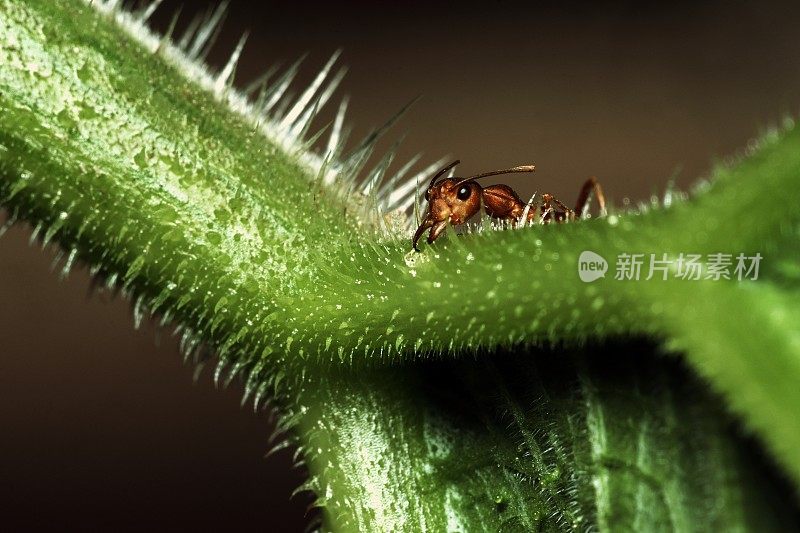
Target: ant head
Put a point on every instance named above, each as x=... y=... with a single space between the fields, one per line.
x=451 y=199
x=438 y=175
x=454 y=200
x=455 y=190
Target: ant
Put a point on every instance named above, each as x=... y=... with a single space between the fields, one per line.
x=455 y=200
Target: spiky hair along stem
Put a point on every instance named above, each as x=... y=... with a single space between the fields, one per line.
x=161 y=176
x=281 y=117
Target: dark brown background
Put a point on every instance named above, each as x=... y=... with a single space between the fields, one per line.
x=103 y=427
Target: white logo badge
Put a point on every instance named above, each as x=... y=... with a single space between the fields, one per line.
x=591 y=266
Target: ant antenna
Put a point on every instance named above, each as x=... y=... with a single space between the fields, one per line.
x=523 y=168
x=441 y=172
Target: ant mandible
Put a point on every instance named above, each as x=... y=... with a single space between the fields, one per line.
x=455 y=200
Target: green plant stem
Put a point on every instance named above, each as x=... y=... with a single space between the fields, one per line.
x=547 y=440
x=156 y=184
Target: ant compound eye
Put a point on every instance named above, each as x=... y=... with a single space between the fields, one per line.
x=464 y=193
x=428 y=195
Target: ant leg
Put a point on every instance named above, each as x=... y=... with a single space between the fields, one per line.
x=565 y=213
x=427 y=223
x=437 y=230
x=589 y=186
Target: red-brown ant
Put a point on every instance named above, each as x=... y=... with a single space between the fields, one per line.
x=455 y=200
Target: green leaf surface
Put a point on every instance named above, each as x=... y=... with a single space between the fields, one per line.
x=164 y=181
x=546 y=440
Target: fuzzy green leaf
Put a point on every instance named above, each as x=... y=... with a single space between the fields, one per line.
x=548 y=440
x=211 y=214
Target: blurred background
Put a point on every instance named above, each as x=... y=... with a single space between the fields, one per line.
x=103 y=426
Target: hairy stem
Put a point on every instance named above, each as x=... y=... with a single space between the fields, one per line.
x=213 y=213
